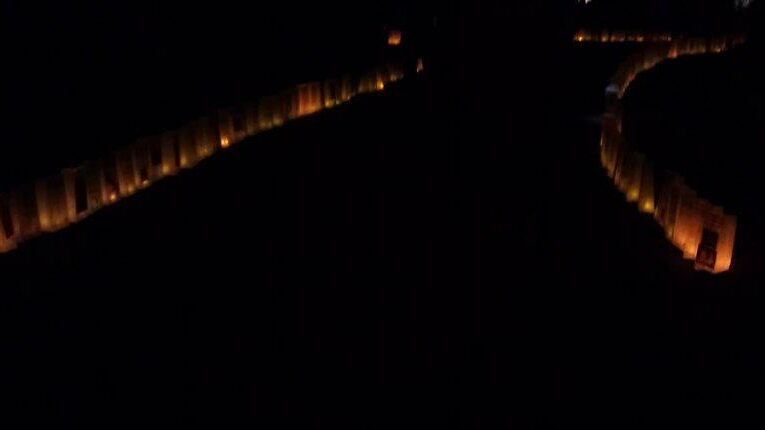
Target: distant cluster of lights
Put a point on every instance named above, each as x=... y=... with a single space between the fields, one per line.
x=394 y=38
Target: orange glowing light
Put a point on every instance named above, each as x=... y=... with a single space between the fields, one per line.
x=394 y=38
x=224 y=142
x=380 y=85
x=113 y=197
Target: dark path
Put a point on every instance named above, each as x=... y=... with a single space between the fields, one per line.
x=447 y=254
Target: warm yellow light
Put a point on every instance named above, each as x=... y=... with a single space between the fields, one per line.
x=224 y=142
x=113 y=197
x=420 y=66
x=380 y=85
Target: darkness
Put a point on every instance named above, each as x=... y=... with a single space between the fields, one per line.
x=447 y=253
x=685 y=16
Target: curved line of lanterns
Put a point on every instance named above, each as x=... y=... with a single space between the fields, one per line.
x=700 y=229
